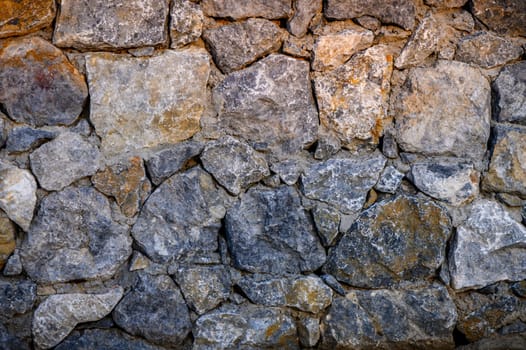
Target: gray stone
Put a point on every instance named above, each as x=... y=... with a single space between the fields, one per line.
x=7 y=238
x=327 y=220
x=399 y=12
x=239 y=9
x=389 y=180
x=502 y=16
x=270 y=105
x=107 y=339
x=304 y=11
x=309 y=331
x=488 y=247
x=487 y=50
x=245 y=327
x=288 y=170
x=18 y=195
x=421 y=318
x=38 y=85
x=234 y=164
x=333 y=283
x=505 y=342
x=186 y=23
x=3 y=131
x=181 y=217
x=445 y=3
x=17 y=296
x=266 y=290
x=298 y=47
x=58 y=315
x=21 y=17
x=510 y=91
x=343 y=183
x=99 y=24
x=154 y=310
x=74 y=236
x=432 y=100
x=403 y=238
x=25 y=138
x=10 y=341
x=13 y=266
x=64 y=160
x=132 y=111
x=268 y=231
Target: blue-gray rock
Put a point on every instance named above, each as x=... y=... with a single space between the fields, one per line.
x=269 y=231
x=333 y=283
x=309 y=331
x=327 y=220
x=107 y=339
x=186 y=23
x=73 y=236
x=13 y=266
x=17 y=296
x=266 y=290
x=25 y=138
x=389 y=180
x=502 y=16
x=10 y=341
x=503 y=342
x=510 y=93
x=17 y=195
x=3 y=135
x=289 y=170
x=270 y=9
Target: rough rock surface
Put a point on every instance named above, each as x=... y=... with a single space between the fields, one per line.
x=96 y=24
x=22 y=17
x=186 y=23
x=446 y=3
x=58 y=315
x=38 y=85
x=268 y=231
x=487 y=50
x=7 y=239
x=18 y=195
x=327 y=220
x=309 y=331
x=73 y=236
x=239 y=9
x=502 y=16
x=67 y=158
x=488 y=247
x=107 y=339
x=25 y=138
x=389 y=180
x=510 y=90
x=132 y=112
x=304 y=11
x=17 y=296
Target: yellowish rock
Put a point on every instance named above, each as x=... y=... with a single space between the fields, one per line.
x=7 y=238
x=19 y=17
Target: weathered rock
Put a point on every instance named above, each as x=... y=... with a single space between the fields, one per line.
x=289 y=170
x=266 y=290
x=343 y=183
x=454 y=182
x=17 y=296
x=268 y=231
x=186 y=23
x=107 y=339
x=270 y=105
x=7 y=238
x=10 y=341
x=58 y=315
x=298 y=47
x=18 y=195
x=238 y=44
x=327 y=220
x=507 y=169
x=510 y=91
x=127 y=182
x=445 y=3
x=504 y=342
x=270 y=9
x=488 y=247
x=432 y=100
x=389 y=180
x=309 y=331
x=356 y=109
x=74 y=236
x=64 y=160
x=98 y=24
x=487 y=50
x=403 y=238
x=304 y=11
x=22 y=17
x=131 y=111
x=502 y=16
x=21 y=139
x=333 y=283
x=399 y=12
x=234 y=164
x=38 y=85
x=245 y=327
x=154 y=310
x=204 y=287
x=391 y=319
x=13 y=266
x=181 y=217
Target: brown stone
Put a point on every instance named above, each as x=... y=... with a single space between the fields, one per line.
x=19 y=17
x=7 y=238
x=502 y=16
x=487 y=50
x=446 y=3
x=240 y=9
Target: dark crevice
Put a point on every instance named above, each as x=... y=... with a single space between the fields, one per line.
x=459 y=338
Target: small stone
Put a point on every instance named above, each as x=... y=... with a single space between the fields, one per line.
x=502 y=16
x=17 y=296
x=445 y=3
x=38 y=85
x=265 y=290
x=270 y=9
x=510 y=91
x=298 y=47
x=107 y=339
x=66 y=159
x=328 y=145
x=58 y=315
x=487 y=50
x=139 y=262
x=369 y=22
x=23 y=17
x=309 y=331
x=21 y=139
x=13 y=266
x=389 y=180
x=234 y=164
x=327 y=220
x=304 y=11
x=236 y=45
x=18 y=195
x=519 y=288
x=186 y=24
x=142 y=52
x=488 y=247
x=96 y=24
x=288 y=170
x=333 y=283
x=309 y=294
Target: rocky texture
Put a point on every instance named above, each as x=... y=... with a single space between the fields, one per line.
x=289 y=170
x=18 y=195
x=502 y=16
x=309 y=332
x=7 y=239
x=271 y=9
x=425 y=113
x=13 y=266
x=17 y=296
x=238 y=44
x=92 y=24
x=58 y=315
x=488 y=247
x=25 y=138
x=389 y=180
x=446 y=3
x=186 y=23
x=131 y=112
x=107 y=339
x=154 y=301
x=327 y=220
x=391 y=319
x=268 y=231
x=38 y=85
x=64 y=160
x=22 y=17
x=505 y=342
x=487 y=50
x=9 y=341
x=74 y=236
x=304 y=11
x=510 y=91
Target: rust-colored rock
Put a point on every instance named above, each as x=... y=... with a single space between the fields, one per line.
x=7 y=238
x=19 y=17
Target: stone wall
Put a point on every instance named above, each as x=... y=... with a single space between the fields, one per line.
x=263 y=174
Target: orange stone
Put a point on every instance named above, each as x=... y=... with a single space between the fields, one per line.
x=19 y=17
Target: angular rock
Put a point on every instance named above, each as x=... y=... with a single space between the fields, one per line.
x=58 y=315
x=389 y=180
x=487 y=50
x=391 y=319
x=343 y=183
x=399 y=12
x=488 y=247
x=132 y=111
x=17 y=296
x=25 y=138
x=502 y=16
x=186 y=23
x=13 y=266
x=432 y=100
x=298 y=47
x=18 y=195
x=234 y=164
x=107 y=339
x=236 y=9
x=309 y=331
x=266 y=290
x=327 y=220
x=154 y=310
x=269 y=104
x=288 y=170
x=510 y=91
x=73 y=237
x=268 y=231
x=64 y=160
x=127 y=182
x=98 y=24
x=356 y=109
x=38 y=85
x=7 y=239
x=236 y=45
x=304 y=11
x=181 y=217
x=22 y=17
x=446 y=3
x=333 y=283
